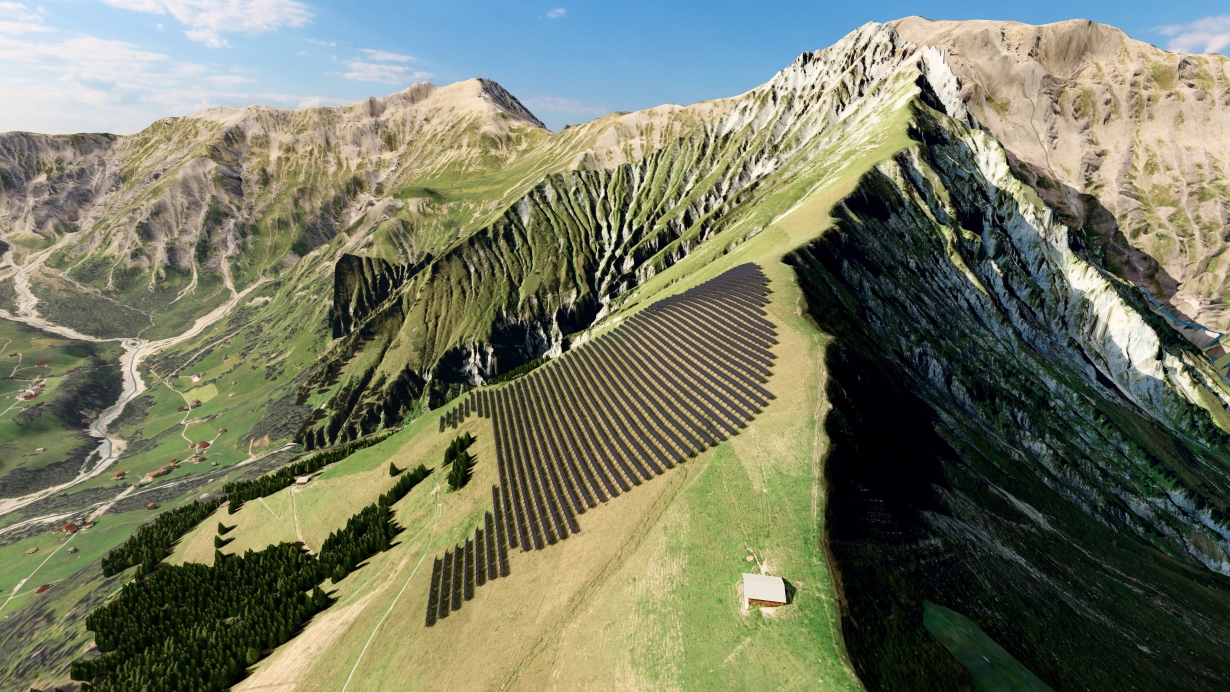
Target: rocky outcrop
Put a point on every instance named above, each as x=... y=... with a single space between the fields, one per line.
x=1014 y=436
x=1125 y=140
x=49 y=184
x=558 y=257
x=507 y=103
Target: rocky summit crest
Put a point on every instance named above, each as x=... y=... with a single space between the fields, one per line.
x=925 y=333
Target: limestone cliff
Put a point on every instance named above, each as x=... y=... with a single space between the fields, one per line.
x=1126 y=140
x=1014 y=435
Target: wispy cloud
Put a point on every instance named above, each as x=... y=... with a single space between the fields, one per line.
x=207 y=20
x=318 y=101
x=1207 y=35
x=557 y=13
x=555 y=104
x=229 y=79
x=386 y=56
x=16 y=18
x=361 y=71
x=327 y=44
x=49 y=77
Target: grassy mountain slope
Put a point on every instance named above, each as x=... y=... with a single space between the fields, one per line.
x=970 y=411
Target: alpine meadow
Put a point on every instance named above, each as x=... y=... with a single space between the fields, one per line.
x=904 y=370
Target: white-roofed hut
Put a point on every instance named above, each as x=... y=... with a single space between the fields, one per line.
x=763 y=591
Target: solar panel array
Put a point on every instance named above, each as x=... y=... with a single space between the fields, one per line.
x=669 y=382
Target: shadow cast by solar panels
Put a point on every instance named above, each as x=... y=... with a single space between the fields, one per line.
x=671 y=381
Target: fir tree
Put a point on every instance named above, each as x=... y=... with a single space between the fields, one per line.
x=459 y=474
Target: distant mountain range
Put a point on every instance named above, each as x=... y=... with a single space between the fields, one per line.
x=989 y=459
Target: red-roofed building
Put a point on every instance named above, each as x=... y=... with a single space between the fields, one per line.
x=70 y=528
x=42 y=588
x=203 y=444
x=41 y=364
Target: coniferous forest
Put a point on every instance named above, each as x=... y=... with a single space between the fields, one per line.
x=150 y=543
x=197 y=627
x=460 y=459
x=240 y=492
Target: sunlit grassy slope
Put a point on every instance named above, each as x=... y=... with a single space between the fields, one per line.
x=645 y=597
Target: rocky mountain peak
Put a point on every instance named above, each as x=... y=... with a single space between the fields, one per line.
x=1121 y=137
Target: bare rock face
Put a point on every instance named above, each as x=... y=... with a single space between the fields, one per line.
x=1126 y=140
x=243 y=193
x=49 y=184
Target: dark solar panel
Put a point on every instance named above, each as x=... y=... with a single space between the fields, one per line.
x=666 y=384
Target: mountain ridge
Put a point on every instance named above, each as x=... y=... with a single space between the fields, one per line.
x=980 y=409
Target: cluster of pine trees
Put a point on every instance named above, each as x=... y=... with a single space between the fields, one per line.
x=518 y=371
x=462 y=461
x=365 y=534
x=191 y=627
x=150 y=543
x=240 y=492
x=197 y=627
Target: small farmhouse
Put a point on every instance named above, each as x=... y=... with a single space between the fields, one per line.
x=763 y=591
x=42 y=588
x=70 y=528
x=302 y=480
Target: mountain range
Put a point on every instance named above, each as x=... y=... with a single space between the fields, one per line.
x=928 y=325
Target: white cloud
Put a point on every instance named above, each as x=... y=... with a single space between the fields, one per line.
x=1208 y=35
x=385 y=56
x=318 y=101
x=327 y=44
x=388 y=74
x=555 y=104
x=207 y=20
x=228 y=79
x=45 y=84
x=557 y=12
x=16 y=18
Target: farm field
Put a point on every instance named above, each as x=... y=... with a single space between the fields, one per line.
x=74 y=382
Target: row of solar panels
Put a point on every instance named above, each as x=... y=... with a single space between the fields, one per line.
x=679 y=377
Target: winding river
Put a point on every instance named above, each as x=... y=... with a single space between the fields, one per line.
x=136 y=350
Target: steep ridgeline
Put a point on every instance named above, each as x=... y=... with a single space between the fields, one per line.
x=675 y=379
x=1014 y=436
x=230 y=196
x=1125 y=140
x=561 y=255
x=49 y=184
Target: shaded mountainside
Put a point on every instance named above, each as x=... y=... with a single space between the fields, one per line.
x=48 y=184
x=978 y=410
x=1124 y=139
x=1014 y=437
x=563 y=254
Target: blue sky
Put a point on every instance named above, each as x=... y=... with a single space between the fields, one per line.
x=118 y=65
